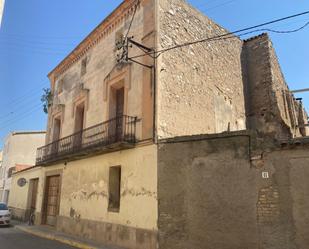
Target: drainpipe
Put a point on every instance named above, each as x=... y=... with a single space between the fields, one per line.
x=155 y=73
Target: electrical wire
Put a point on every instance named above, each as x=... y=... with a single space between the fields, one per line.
x=33 y=42
x=21 y=117
x=284 y=31
x=229 y=34
x=20 y=103
x=20 y=52
x=219 y=5
x=41 y=37
x=265 y=30
x=35 y=45
x=254 y=31
x=30 y=92
x=19 y=107
x=204 y=4
x=133 y=16
x=32 y=49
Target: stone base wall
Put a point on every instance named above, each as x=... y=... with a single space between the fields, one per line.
x=20 y=214
x=215 y=195
x=38 y=218
x=107 y=233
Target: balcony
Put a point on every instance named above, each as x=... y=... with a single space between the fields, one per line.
x=114 y=134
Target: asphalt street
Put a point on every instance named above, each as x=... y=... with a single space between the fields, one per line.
x=12 y=238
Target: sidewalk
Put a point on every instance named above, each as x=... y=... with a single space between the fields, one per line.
x=47 y=232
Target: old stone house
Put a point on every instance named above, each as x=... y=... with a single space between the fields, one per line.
x=108 y=171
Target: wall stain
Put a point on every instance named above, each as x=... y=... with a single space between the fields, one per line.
x=135 y=192
x=74 y=214
x=97 y=194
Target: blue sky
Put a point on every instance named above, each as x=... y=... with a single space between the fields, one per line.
x=37 y=34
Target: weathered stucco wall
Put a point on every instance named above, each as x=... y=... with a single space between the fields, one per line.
x=211 y=197
x=19 y=196
x=271 y=108
x=71 y=88
x=19 y=148
x=200 y=87
x=84 y=198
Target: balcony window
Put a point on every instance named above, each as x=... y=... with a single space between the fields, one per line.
x=79 y=124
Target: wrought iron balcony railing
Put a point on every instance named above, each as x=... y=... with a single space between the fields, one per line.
x=119 y=131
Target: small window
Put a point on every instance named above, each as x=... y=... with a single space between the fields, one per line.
x=114 y=189
x=84 y=67
x=11 y=171
x=60 y=86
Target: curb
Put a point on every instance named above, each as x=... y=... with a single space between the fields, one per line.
x=56 y=238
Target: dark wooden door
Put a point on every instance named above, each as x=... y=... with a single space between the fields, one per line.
x=56 y=129
x=56 y=136
x=52 y=199
x=119 y=113
x=79 y=126
x=35 y=184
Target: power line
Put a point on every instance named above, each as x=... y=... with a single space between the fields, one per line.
x=26 y=48
x=123 y=44
x=133 y=16
x=12 y=47
x=283 y=31
x=33 y=41
x=219 y=5
x=205 y=4
x=26 y=52
x=230 y=34
x=19 y=108
x=289 y=23
x=264 y=30
x=21 y=98
x=21 y=117
x=242 y=30
x=35 y=44
x=20 y=104
x=42 y=37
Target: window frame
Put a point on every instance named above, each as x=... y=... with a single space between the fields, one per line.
x=111 y=203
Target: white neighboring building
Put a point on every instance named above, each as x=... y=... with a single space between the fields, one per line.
x=19 y=152
x=1 y=10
